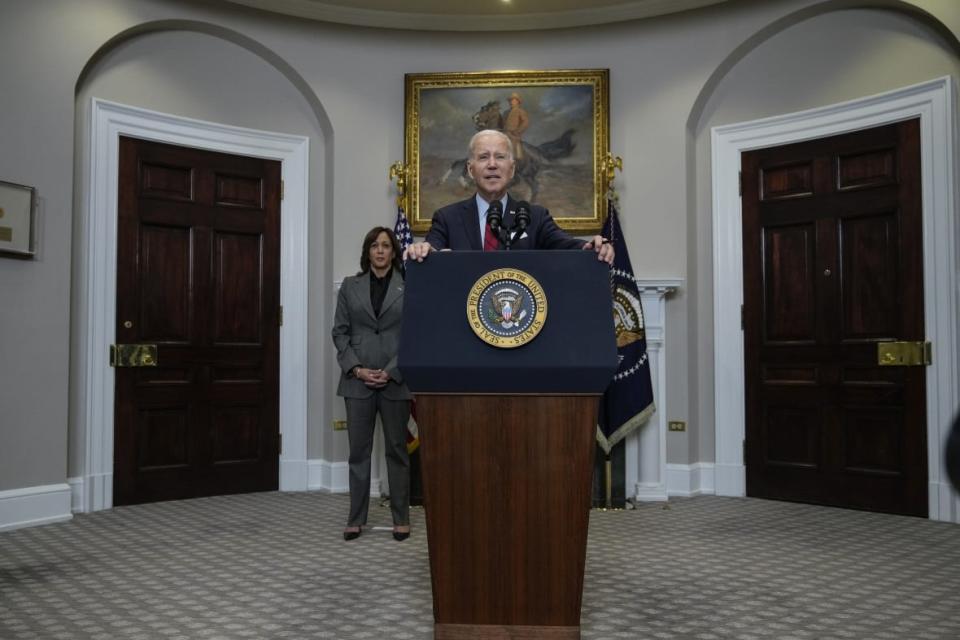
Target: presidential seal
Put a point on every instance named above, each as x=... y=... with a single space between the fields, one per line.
x=627 y=316
x=506 y=308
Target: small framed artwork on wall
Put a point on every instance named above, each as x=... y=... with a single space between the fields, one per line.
x=17 y=206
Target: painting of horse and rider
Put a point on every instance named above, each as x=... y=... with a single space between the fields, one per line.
x=556 y=120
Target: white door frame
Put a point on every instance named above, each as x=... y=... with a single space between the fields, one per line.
x=933 y=103
x=98 y=289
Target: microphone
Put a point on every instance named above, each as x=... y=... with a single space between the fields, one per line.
x=495 y=216
x=523 y=215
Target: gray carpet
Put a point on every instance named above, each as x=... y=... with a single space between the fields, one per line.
x=275 y=566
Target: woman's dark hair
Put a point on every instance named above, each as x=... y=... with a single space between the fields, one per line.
x=368 y=241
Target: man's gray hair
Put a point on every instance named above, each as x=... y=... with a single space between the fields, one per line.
x=490 y=132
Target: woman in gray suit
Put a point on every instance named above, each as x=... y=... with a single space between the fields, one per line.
x=366 y=332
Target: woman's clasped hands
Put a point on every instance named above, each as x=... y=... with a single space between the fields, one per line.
x=373 y=378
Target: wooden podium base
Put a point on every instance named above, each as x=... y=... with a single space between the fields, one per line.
x=502 y=632
x=507 y=491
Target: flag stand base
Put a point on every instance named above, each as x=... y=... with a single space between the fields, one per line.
x=609 y=478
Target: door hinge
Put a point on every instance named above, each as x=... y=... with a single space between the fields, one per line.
x=281 y=189
x=279 y=444
x=744 y=451
x=742 y=321
x=740 y=182
x=281 y=315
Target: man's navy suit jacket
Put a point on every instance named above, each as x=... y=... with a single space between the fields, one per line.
x=457 y=226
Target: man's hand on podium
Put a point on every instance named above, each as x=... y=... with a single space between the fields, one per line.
x=603 y=248
x=417 y=251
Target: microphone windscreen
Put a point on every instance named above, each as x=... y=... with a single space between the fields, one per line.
x=523 y=214
x=495 y=214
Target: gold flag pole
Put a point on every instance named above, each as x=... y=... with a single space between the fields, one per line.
x=399 y=172
x=608 y=467
x=611 y=165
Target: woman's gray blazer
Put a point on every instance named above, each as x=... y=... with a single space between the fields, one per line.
x=369 y=341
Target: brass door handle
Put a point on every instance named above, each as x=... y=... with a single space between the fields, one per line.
x=133 y=355
x=904 y=354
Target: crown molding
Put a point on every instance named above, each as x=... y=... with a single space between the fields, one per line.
x=441 y=15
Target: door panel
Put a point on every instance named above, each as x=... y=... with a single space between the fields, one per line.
x=163 y=299
x=789 y=284
x=236 y=434
x=163 y=438
x=237 y=287
x=788 y=181
x=872 y=441
x=832 y=266
x=793 y=433
x=198 y=275
x=868 y=276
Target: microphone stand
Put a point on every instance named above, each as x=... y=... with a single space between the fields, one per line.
x=507 y=242
x=496 y=222
x=506 y=238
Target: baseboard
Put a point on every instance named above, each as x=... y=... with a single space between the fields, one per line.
x=651 y=493
x=32 y=506
x=730 y=480
x=944 y=502
x=77 y=504
x=334 y=477
x=294 y=475
x=682 y=480
x=685 y=480
x=323 y=475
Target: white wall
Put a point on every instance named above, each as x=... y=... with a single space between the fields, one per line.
x=343 y=87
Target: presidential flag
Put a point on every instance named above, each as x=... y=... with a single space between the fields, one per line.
x=405 y=237
x=628 y=401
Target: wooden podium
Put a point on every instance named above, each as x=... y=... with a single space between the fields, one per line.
x=507 y=441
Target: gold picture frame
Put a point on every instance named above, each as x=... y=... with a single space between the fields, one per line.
x=561 y=143
x=17 y=206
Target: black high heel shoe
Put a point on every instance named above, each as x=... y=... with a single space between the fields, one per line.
x=400 y=535
x=351 y=535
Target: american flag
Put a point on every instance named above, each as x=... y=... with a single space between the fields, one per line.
x=402 y=230
x=405 y=237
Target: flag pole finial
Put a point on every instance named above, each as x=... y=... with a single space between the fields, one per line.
x=399 y=172
x=611 y=165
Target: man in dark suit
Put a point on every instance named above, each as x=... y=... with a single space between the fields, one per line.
x=463 y=225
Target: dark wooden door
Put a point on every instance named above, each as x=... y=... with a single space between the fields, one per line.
x=198 y=275
x=832 y=258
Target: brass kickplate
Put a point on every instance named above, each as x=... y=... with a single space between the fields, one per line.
x=676 y=425
x=904 y=354
x=339 y=425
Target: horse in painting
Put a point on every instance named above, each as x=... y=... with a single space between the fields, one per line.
x=535 y=156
